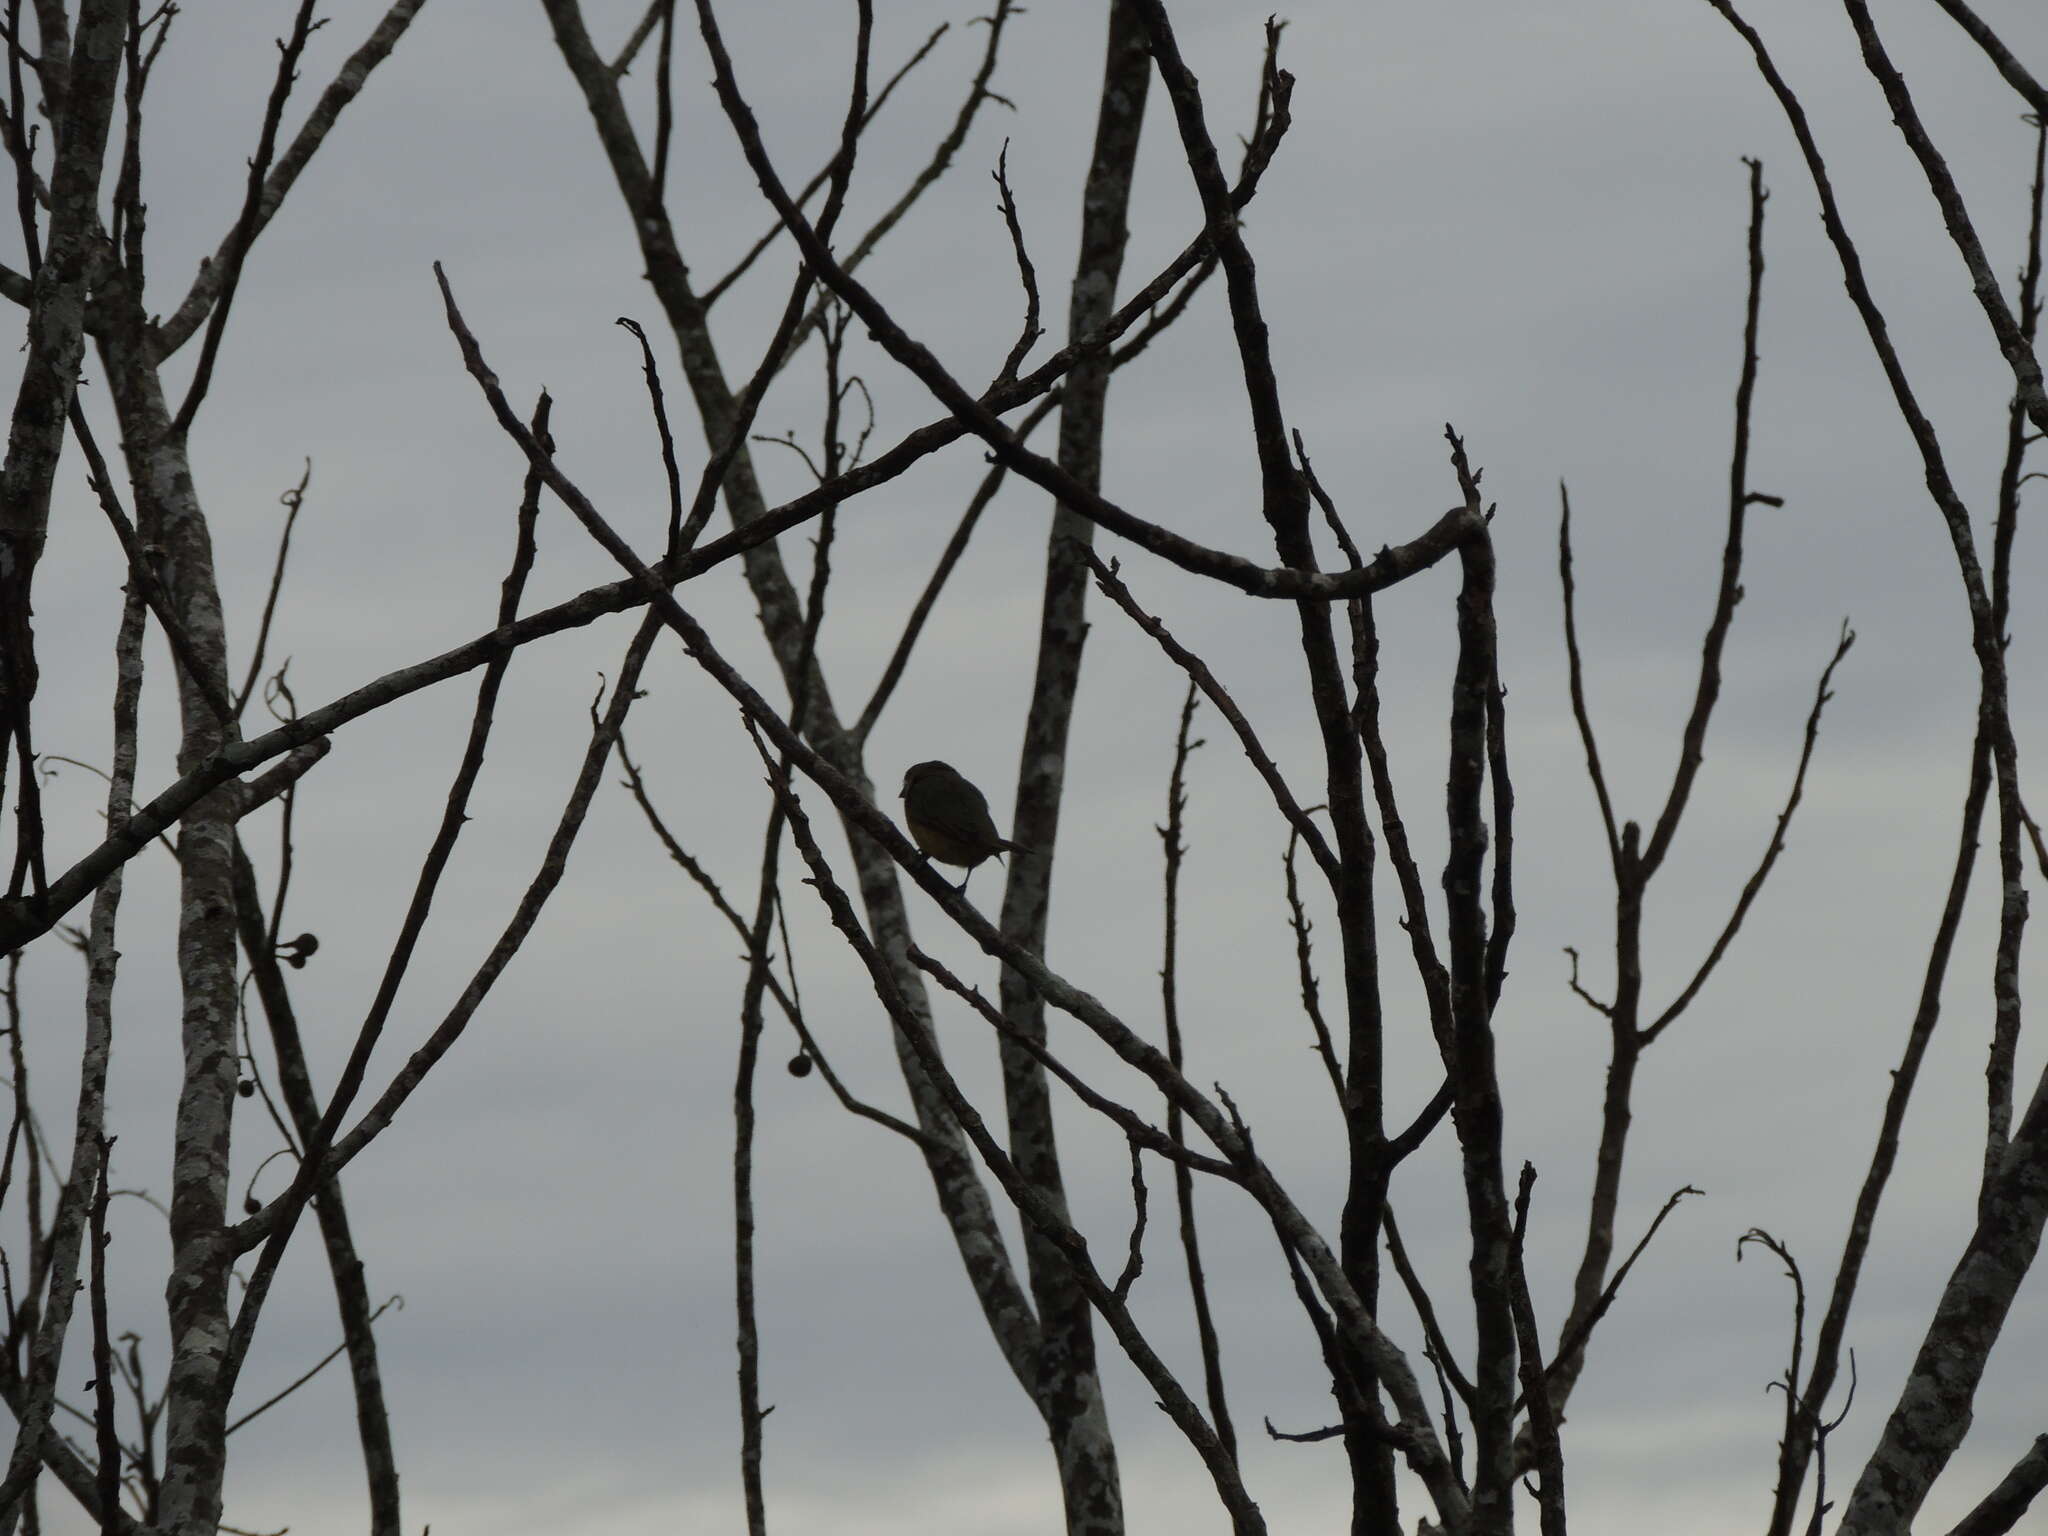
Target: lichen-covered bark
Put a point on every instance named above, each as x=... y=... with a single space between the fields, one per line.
x=1069 y=1388
x=172 y=524
x=1933 y=1411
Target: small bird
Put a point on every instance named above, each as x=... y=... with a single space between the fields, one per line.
x=949 y=819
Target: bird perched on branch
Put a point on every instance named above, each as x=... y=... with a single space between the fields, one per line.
x=948 y=818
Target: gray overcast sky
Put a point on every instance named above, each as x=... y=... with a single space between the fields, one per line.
x=1527 y=221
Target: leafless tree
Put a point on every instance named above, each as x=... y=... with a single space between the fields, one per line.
x=1513 y=1400
x=159 y=1461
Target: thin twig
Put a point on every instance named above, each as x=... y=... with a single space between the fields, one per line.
x=346 y=85
x=1175 y=850
x=314 y=1370
x=1576 y=669
x=942 y=154
x=658 y=403
x=1135 y=1127
x=292 y=501
x=312 y=1170
x=1775 y=847
x=1107 y=578
x=657 y=12
x=1027 y=275
x=246 y=223
x=1692 y=749
x=664 y=97
x=1573 y=1339
x=956 y=546
x=785 y=998
x=1441 y=1357
x=1134 y=1262
x=273 y=1221
x=810 y=187
x=1299 y=923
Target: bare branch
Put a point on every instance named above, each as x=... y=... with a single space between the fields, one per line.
x=1137 y=1130
x=803 y=197
x=347 y=84
x=314 y=1169
x=236 y=251
x=658 y=12
x=1027 y=275
x=311 y=1371
x=1692 y=750
x=1175 y=851
x=943 y=152
x=2004 y=1506
x=2018 y=351
x=1578 y=676
x=1304 y=965
x=2001 y=56
x=956 y=546
x=1441 y=1357
x=1198 y=672
x=1134 y=1265
x=1392 y=565
x=1573 y=1340
x=1776 y=846
x=1535 y=1391
x=293 y=501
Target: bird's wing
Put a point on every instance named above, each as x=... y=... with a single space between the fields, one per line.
x=966 y=815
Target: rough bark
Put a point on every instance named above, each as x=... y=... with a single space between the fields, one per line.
x=1069 y=1389
x=170 y=519
x=1934 y=1409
